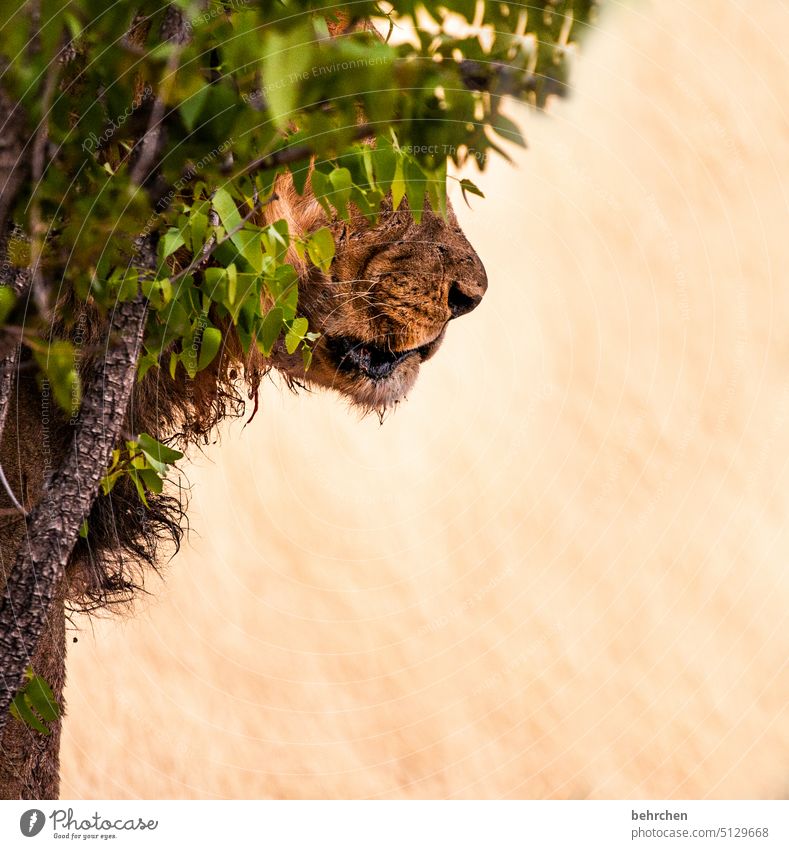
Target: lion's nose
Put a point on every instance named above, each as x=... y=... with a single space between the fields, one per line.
x=467 y=289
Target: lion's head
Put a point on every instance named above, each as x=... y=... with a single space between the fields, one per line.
x=384 y=307
x=382 y=310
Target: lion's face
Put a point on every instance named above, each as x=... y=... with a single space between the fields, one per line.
x=384 y=307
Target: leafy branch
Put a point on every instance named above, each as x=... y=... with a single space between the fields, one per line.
x=145 y=461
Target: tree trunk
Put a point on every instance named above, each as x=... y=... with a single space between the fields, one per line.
x=32 y=603
x=29 y=760
x=36 y=547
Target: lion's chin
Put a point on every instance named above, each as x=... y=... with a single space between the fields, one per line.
x=372 y=377
x=377 y=395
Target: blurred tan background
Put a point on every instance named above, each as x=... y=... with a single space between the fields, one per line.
x=560 y=569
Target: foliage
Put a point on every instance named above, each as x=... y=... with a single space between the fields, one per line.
x=168 y=125
x=257 y=90
x=35 y=704
x=145 y=461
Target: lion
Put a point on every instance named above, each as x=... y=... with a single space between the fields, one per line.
x=382 y=310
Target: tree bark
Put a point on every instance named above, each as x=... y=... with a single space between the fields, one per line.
x=13 y=166
x=53 y=525
x=35 y=549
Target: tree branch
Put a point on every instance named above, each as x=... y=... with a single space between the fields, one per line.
x=175 y=31
x=37 y=229
x=289 y=155
x=8 y=368
x=54 y=524
x=13 y=167
x=209 y=249
x=12 y=175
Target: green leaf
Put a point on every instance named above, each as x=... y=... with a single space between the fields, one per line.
x=35 y=704
x=398 y=185
x=321 y=188
x=232 y=282
x=215 y=286
x=299 y=174
x=198 y=224
x=247 y=243
x=295 y=334
x=437 y=190
x=7 y=301
x=153 y=482
x=247 y=240
x=249 y=286
x=21 y=711
x=276 y=240
x=147 y=361
x=126 y=283
x=467 y=187
x=226 y=209
x=415 y=187
x=171 y=241
x=162 y=453
x=83 y=529
x=159 y=292
x=58 y=362
x=508 y=129
x=320 y=247
x=284 y=288
x=138 y=484
x=286 y=57
x=42 y=699
x=385 y=164
x=191 y=107
x=209 y=346
x=270 y=329
x=108 y=482
x=341 y=184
